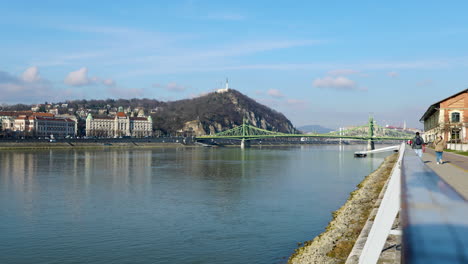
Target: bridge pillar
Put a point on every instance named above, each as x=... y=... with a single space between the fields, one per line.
x=245 y=144
x=370 y=144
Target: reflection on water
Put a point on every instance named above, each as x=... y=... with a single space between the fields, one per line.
x=171 y=205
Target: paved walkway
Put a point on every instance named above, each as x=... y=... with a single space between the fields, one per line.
x=454 y=170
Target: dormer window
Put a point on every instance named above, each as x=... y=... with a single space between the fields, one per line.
x=455 y=118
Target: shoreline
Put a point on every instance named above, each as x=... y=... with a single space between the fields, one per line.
x=87 y=145
x=336 y=242
x=5 y=145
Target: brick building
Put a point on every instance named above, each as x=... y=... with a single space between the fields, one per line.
x=449 y=118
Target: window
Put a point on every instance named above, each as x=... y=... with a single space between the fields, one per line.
x=455 y=117
x=455 y=135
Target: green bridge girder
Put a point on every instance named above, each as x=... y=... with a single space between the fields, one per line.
x=247 y=132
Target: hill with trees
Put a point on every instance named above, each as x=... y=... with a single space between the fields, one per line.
x=207 y=114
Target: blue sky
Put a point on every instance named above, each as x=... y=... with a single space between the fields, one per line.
x=319 y=62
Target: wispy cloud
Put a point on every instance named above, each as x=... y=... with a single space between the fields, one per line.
x=171 y=87
x=210 y=59
x=80 y=78
x=29 y=87
x=275 y=93
x=287 y=104
x=31 y=74
x=225 y=16
x=343 y=72
x=108 y=82
x=337 y=83
x=393 y=74
x=400 y=65
x=297 y=104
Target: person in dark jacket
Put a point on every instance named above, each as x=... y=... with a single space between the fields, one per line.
x=417 y=144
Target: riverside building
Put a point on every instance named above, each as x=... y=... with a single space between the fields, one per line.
x=449 y=118
x=37 y=124
x=46 y=126
x=119 y=125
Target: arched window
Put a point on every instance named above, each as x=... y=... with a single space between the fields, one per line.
x=455 y=117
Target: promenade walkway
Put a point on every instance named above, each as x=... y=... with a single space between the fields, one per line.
x=454 y=170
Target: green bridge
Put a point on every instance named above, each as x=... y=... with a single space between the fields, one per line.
x=369 y=132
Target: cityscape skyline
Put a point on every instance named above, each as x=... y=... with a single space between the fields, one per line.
x=330 y=64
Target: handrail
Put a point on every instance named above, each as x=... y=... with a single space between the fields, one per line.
x=385 y=217
x=434 y=216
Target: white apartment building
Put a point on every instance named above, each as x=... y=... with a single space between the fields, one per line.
x=119 y=125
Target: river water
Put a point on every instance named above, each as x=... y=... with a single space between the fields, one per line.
x=171 y=205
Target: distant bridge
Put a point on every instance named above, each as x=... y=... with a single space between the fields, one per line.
x=369 y=132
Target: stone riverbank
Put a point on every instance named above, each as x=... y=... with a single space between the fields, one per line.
x=82 y=145
x=336 y=242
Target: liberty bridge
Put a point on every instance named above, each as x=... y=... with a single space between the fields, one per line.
x=371 y=133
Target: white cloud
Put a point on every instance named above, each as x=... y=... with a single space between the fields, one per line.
x=296 y=101
x=78 y=78
x=343 y=72
x=297 y=104
x=172 y=87
x=275 y=93
x=29 y=87
x=338 y=83
x=31 y=74
x=393 y=74
x=108 y=82
x=371 y=66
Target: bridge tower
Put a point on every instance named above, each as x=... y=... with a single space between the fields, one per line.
x=244 y=143
x=370 y=142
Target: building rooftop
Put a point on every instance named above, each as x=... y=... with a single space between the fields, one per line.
x=434 y=107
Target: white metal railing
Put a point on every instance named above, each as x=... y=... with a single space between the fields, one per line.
x=386 y=215
x=434 y=216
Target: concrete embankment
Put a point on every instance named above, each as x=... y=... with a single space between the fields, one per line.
x=335 y=244
x=80 y=145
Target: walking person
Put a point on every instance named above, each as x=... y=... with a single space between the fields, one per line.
x=417 y=144
x=439 y=145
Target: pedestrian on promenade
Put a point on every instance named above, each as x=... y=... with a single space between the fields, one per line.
x=439 y=145
x=417 y=144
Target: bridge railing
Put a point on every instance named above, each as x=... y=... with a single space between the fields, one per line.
x=434 y=216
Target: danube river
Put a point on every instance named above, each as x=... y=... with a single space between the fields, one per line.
x=171 y=205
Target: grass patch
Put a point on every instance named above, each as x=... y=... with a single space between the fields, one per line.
x=464 y=153
x=341 y=250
